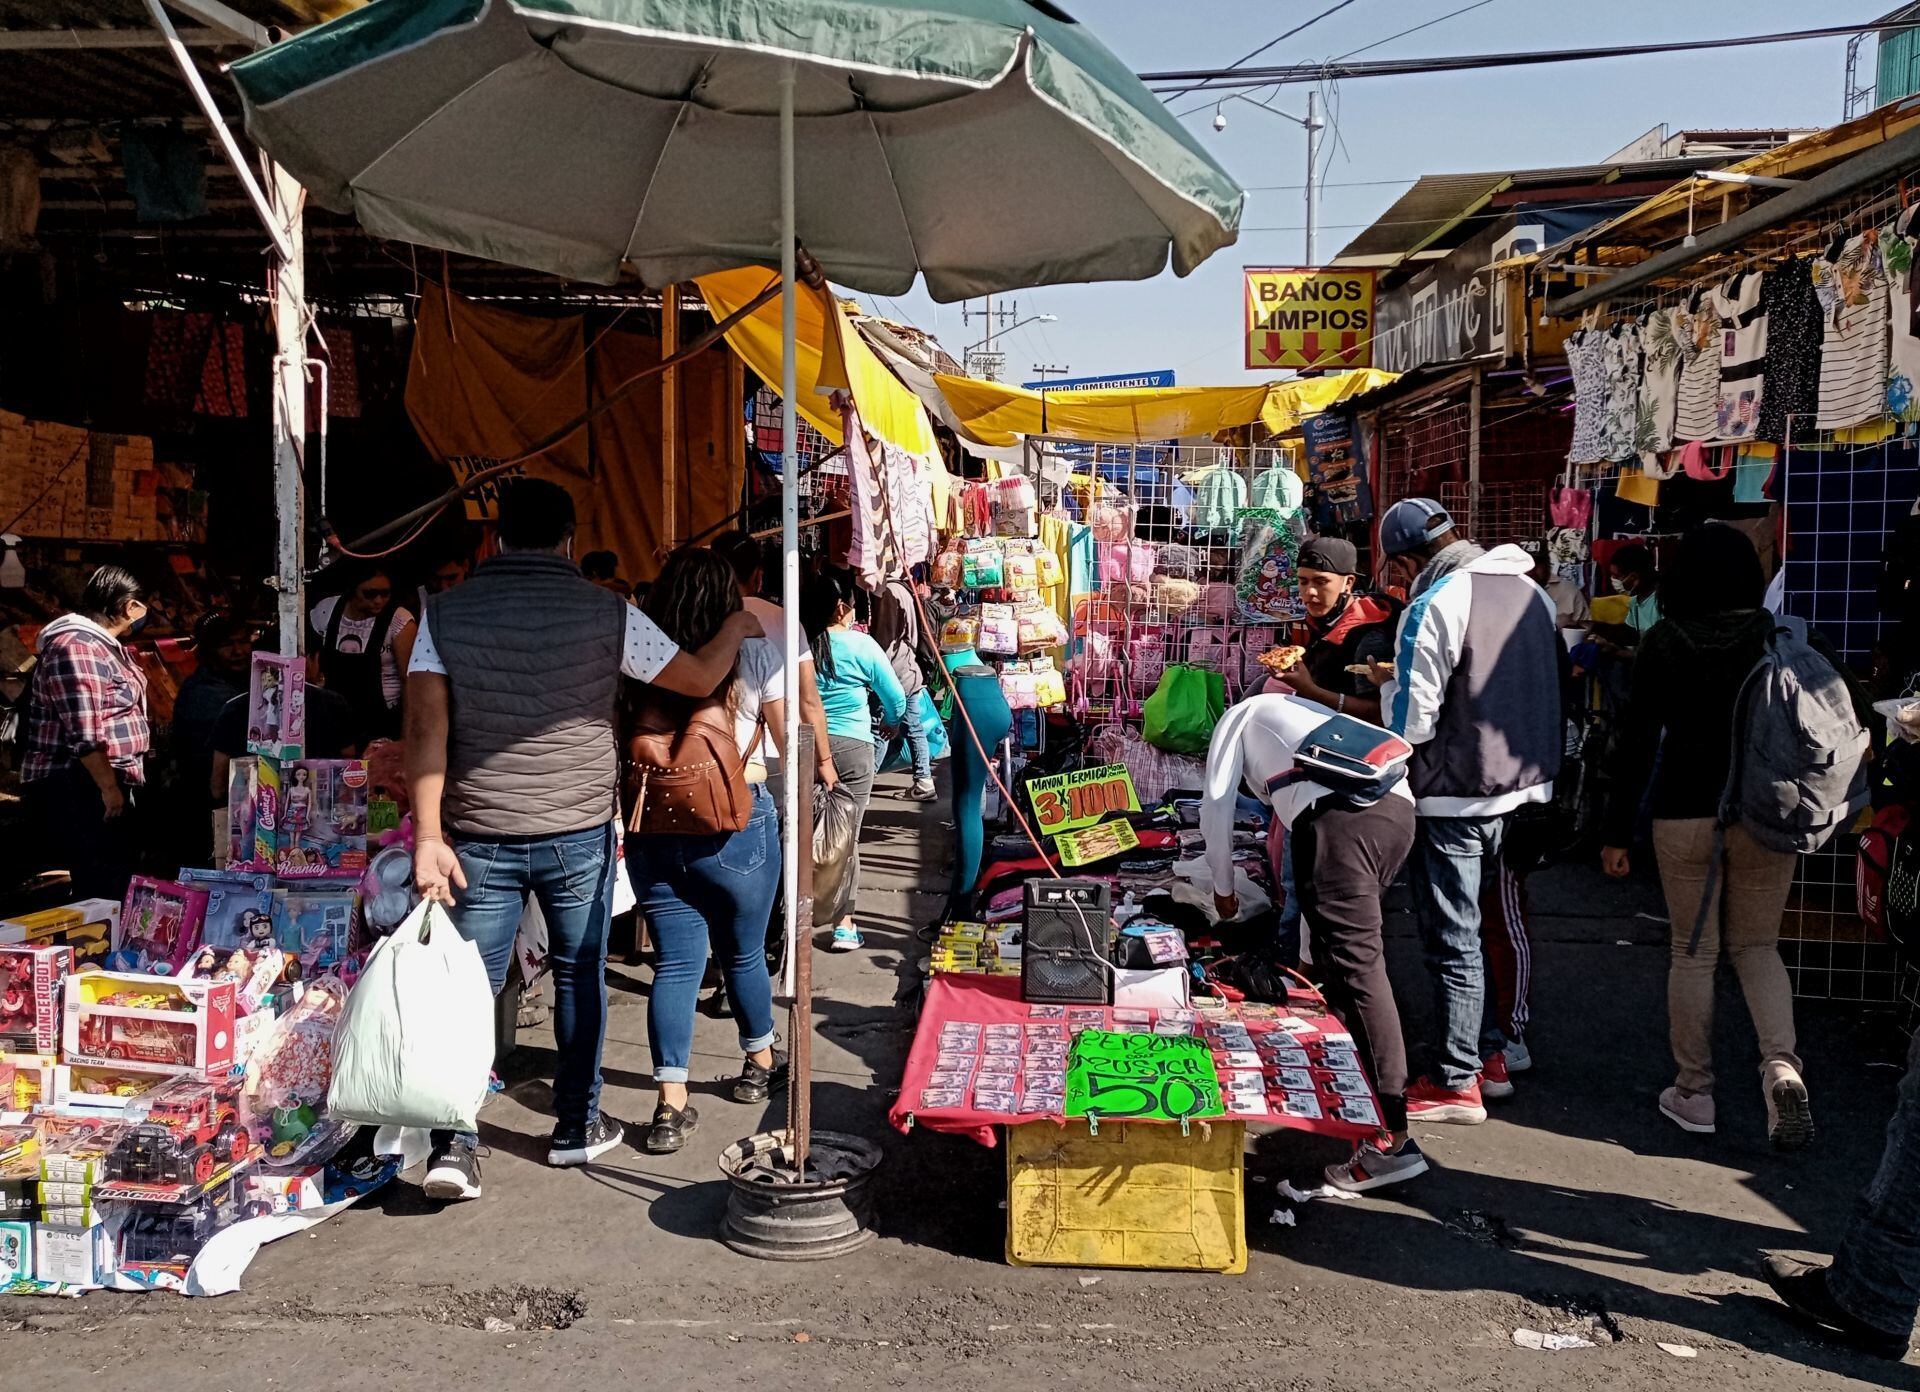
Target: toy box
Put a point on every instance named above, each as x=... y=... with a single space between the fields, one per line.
x=288 y=1191
x=277 y=706
x=159 y=1241
x=26 y=1081
x=72 y=1256
x=70 y=1167
x=83 y=1089
x=243 y=803
x=239 y=907
x=159 y=927
x=150 y=1024
x=323 y=819
x=30 y=980
x=316 y=925
x=254 y=972
x=87 y=926
x=16 y=1252
x=190 y=1138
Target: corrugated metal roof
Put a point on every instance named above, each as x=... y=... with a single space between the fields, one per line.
x=1434 y=201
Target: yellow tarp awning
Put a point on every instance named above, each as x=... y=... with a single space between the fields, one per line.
x=829 y=354
x=996 y=412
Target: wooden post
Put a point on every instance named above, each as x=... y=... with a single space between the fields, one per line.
x=669 y=420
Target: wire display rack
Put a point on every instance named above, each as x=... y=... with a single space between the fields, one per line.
x=1841 y=500
x=1496 y=514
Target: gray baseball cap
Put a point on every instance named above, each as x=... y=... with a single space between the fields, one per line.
x=1410 y=523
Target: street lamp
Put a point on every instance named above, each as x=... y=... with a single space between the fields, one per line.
x=1313 y=125
x=982 y=352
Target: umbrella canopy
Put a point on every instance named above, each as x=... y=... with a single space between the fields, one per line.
x=984 y=144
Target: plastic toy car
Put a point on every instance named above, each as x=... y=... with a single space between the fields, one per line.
x=189 y=1133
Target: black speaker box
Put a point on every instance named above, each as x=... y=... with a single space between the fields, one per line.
x=1063 y=952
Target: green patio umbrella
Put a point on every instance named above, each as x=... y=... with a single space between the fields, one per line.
x=985 y=145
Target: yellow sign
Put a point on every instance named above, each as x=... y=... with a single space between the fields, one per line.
x=1069 y=801
x=1307 y=317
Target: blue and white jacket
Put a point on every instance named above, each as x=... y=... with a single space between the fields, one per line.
x=1476 y=689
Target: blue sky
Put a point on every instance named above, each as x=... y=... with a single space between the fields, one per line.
x=1393 y=129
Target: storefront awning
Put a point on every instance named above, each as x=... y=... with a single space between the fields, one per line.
x=995 y=411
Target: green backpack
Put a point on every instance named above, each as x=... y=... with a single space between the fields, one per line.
x=1184 y=708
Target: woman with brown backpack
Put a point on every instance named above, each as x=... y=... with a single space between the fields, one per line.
x=703 y=843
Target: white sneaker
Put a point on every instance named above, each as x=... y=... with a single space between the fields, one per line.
x=922 y=791
x=1519 y=1057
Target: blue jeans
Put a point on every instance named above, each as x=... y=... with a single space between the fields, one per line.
x=1449 y=856
x=571 y=875
x=1876 y=1273
x=698 y=891
x=915 y=734
x=1286 y=933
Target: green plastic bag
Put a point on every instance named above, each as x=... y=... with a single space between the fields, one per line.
x=1184 y=708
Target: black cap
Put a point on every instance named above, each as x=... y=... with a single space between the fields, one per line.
x=1330 y=554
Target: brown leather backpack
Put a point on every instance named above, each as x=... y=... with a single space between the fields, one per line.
x=684 y=774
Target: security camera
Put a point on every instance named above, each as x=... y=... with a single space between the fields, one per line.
x=1219 y=120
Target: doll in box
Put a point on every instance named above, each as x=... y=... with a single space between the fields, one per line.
x=159 y=925
x=299 y=802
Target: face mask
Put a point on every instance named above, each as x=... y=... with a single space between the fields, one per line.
x=139 y=623
x=1618 y=586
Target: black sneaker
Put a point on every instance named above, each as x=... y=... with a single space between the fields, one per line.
x=756 y=1084
x=1804 y=1289
x=670 y=1129
x=453 y=1170
x=577 y=1147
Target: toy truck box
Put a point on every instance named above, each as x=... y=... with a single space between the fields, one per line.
x=160 y=924
x=30 y=982
x=86 y=925
x=150 y=1024
x=115 y=1094
x=189 y=1138
x=323 y=819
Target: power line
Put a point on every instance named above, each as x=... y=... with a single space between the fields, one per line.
x=1281 y=38
x=1226 y=79
x=1381 y=43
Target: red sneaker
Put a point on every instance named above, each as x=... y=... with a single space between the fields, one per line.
x=1495 y=1082
x=1428 y=1101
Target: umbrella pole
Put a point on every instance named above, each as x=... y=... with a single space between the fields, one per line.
x=799 y=909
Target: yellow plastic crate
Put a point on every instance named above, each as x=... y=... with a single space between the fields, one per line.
x=1137 y=1194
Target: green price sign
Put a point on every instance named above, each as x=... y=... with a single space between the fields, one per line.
x=1141 y=1077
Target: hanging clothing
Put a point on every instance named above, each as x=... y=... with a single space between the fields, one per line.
x=1743 y=355
x=1793 y=352
x=1851 y=282
x=1697 y=407
x=1620 y=358
x=886 y=481
x=1897 y=245
x=1218 y=495
x=1586 y=356
x=1659 y=387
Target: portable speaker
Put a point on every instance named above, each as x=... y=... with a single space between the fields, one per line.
x=1063 y=954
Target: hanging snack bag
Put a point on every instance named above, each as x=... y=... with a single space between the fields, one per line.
x=999 y=630
x=982 y=566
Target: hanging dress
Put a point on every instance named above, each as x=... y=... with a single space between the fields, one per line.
x=1852 y=285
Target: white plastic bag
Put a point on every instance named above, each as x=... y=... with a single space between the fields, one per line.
x=415 y=1043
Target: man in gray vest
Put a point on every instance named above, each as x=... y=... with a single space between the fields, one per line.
x=511 y=757
x=1475 y=688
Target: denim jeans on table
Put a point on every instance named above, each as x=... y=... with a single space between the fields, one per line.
x=701 y=891
x=571 y=875
x=1449 y=856
x=1876 y=1273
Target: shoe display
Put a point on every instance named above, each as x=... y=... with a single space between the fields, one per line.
x=453 y=1170
x=1688 y=1111
x=1803 y=1286
x=1372 y=1167
x=1429 y=1101
x=1495 y=1085
x=579 y=1147
x=756 y=1084
x=670 y=1129
x=1789 y=1113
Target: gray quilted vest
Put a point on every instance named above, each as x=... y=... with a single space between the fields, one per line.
x=532 y=652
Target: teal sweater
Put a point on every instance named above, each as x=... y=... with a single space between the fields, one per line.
x=859 y=667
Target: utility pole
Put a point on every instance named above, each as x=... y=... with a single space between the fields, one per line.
x=1314 y=125
x=989 y=361
x=1046 y=370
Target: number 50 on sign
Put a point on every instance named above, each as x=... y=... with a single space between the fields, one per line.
x=1068 y=801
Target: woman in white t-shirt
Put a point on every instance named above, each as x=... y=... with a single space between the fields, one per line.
x=365 y=641
x=702 y=893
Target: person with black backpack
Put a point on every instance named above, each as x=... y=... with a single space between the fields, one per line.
x=1760 y=742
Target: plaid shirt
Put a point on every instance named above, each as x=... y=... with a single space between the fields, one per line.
x=88 y=694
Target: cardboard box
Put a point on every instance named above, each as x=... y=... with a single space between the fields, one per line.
x=323 y=811
x=239 y=908
x=305 y=1187
x=277 y=706
x=87 y=926
x=85 y=1089
x=16 y=1252
x=72 y=1256
x=150 y=1024
x=160 y=924
x=30 y=980
x=26 y=1081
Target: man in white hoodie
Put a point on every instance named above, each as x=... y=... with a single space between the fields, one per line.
x=1348 y=845
x=1475 y=688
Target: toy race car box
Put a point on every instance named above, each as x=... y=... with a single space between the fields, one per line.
x=316 y=925
x=160 y=925
x=277 y=706
x=87 y=926
x=72 y=1256
x=16 y=1252
x=150 y=1024
x=323 y=815
x=84 y=1089
x=239 y=908
x=158 y=1242
x=190 y=1139
x=30 y=981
